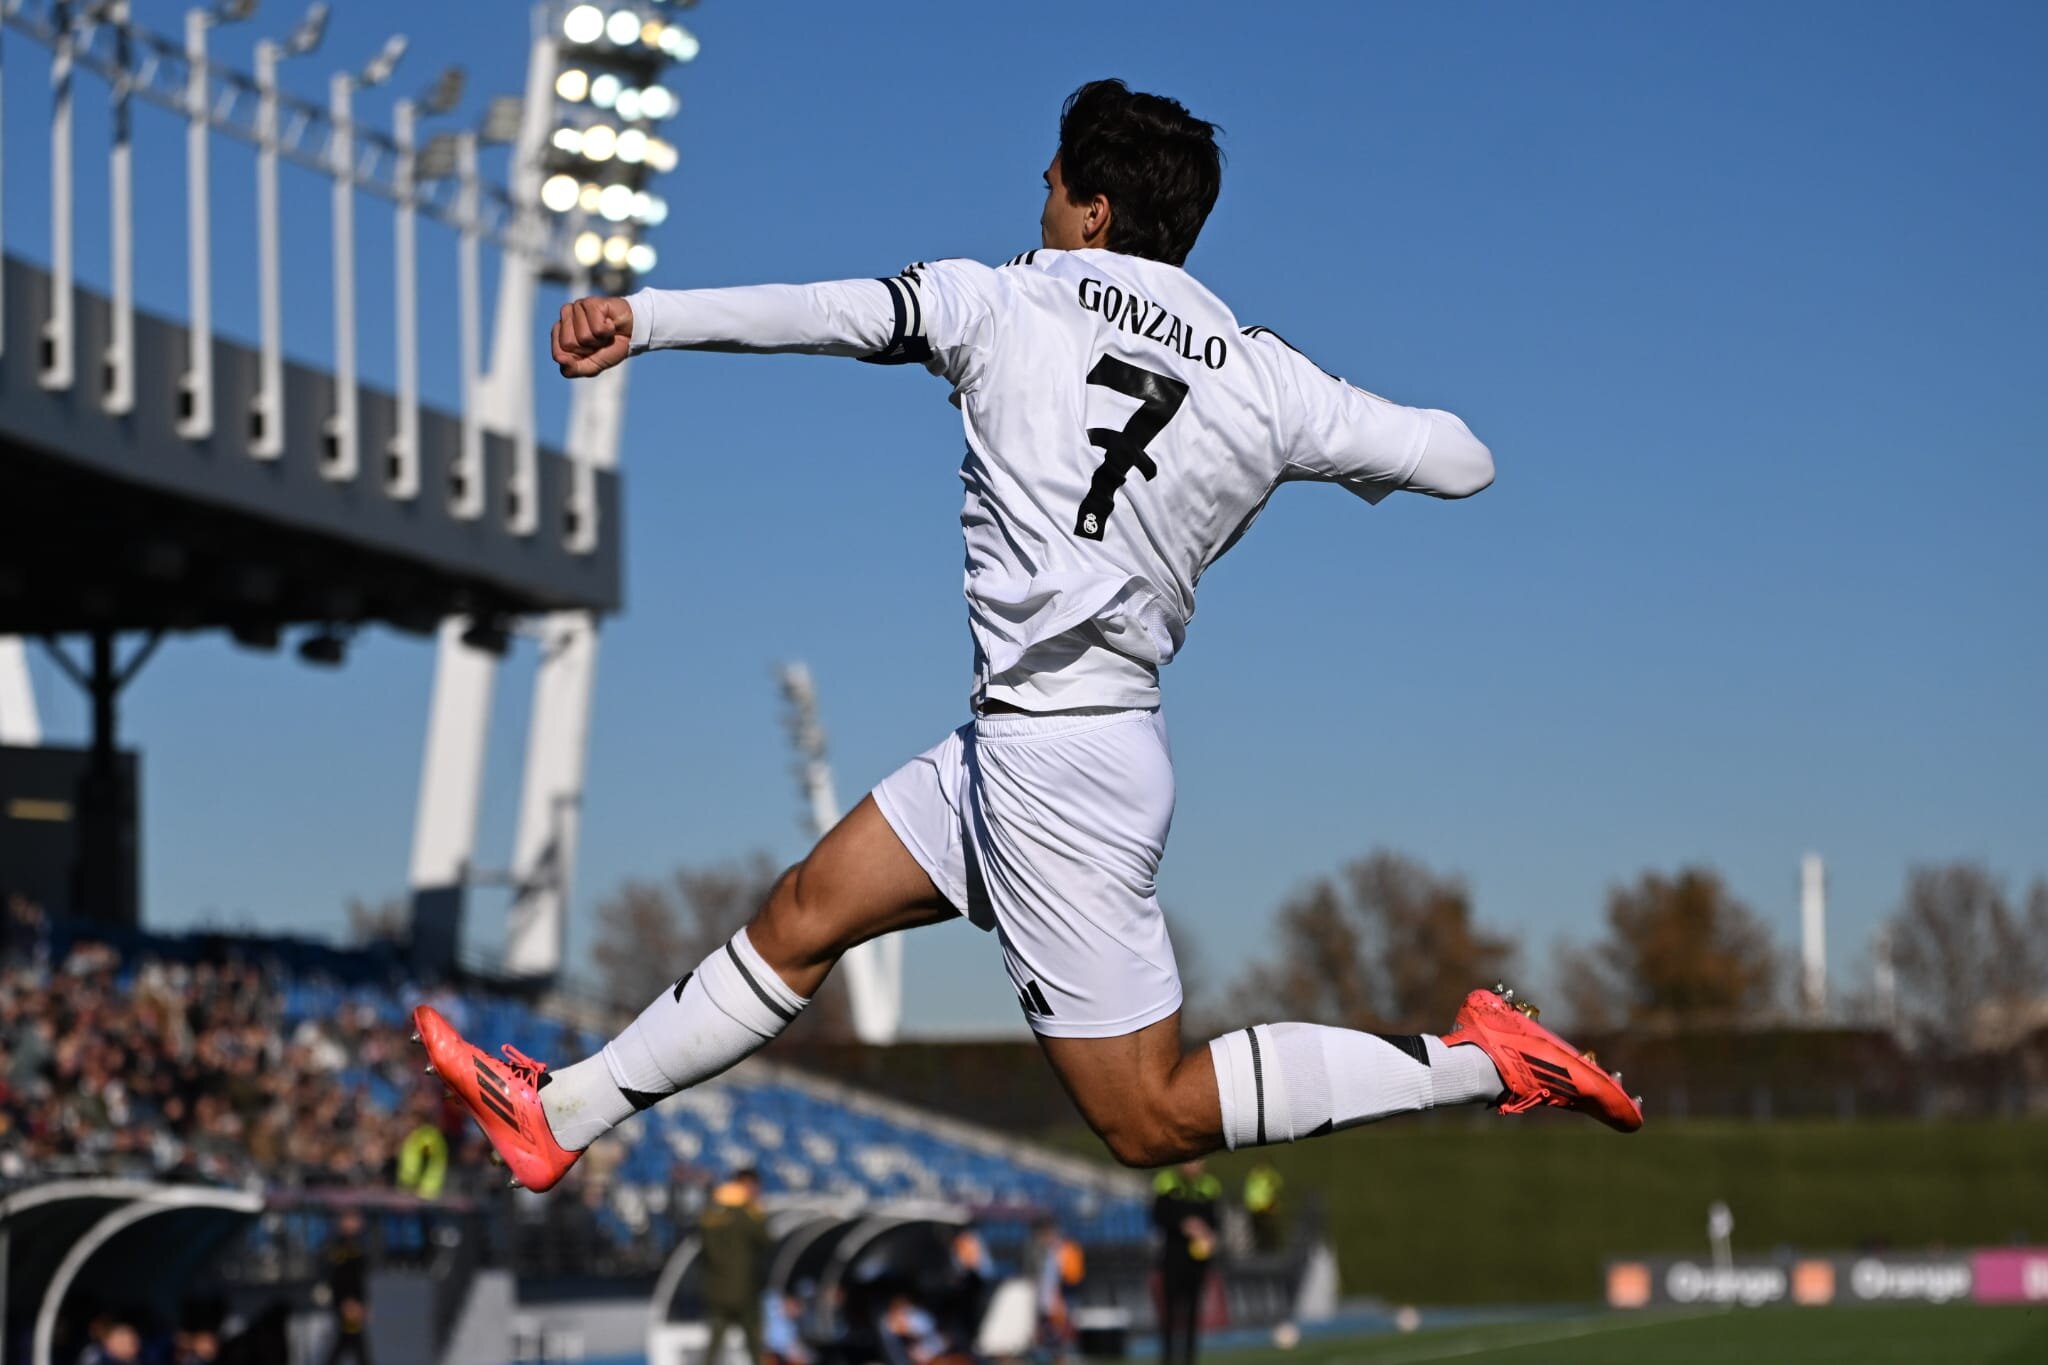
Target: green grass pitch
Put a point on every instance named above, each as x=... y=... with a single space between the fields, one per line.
x=1909 y=1335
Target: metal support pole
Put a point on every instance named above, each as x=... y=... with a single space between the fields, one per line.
x=267 y=433
x=19 y=722
x=509 y=388
x=57 y=365
x=466 y=496
x=451 y=776
x=195 y=414
x=119 y=391
x=551 y=799
x=341 y=458
x=96 y=876
x=3 y=201
x=402 y=471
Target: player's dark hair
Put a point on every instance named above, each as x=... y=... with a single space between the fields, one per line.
x=1157 y=164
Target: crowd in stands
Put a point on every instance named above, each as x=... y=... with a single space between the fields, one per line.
x=191 y=1070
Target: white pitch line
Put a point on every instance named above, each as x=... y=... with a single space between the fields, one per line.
x=1537 y=1338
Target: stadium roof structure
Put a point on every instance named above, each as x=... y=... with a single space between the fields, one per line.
x=120 y=523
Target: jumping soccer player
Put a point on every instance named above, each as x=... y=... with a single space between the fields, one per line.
x=1122 y=432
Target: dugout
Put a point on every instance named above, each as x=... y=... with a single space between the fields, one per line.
x=845 y=1265
x=128 y=1243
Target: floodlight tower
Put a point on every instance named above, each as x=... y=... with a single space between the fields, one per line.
x=874 y=970
x=1813 y=935
x=586 y=146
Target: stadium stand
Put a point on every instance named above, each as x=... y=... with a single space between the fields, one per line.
x=258 y=1064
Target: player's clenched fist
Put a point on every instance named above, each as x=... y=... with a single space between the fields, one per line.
x=592 y=335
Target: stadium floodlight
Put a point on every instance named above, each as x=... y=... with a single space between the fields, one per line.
x=587 y=197
x=657 y=102
x=623 y=28
x=439 y=156
x=446 y=92
x=604 y=90
x=502 y=119
x=627 y=105
x=559 y=193
x=679 y=43
x=640 y=259
x=661 y=155
x=650 y=209
x=573 y=84
x=385 y=62
x=632 y=146
x=589 y=249
x=600 y=140
x=328 y=648
x=615 y=203
x=310 y=31
x=568 y=140
x=584 y=24
x=616 y=250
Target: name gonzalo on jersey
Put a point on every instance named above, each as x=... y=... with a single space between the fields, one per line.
x=1143 y=318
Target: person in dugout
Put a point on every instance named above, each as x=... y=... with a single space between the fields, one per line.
x=1184 y=1213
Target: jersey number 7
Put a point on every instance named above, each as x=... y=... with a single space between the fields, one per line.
x=1159 y=398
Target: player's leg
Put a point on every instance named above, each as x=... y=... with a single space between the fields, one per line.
x=857 y=884
x=861 y=881
x=1153 y=1105
x=1071 y=817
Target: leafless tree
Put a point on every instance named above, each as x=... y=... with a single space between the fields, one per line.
x=1969 y=961
x=650 y=933
x=1392 y=944
x=385 y=921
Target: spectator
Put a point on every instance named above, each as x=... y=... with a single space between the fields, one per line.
x=916 y=1334
x=735 y=1252
x=782 y=1338
x=1184 y=1215
x=973 y=1272
x=348 y=1280
x=117 y=1343
x=1045 y=1258
x=1262 y=1203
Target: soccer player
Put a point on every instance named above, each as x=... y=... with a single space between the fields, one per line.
x=1123 y=430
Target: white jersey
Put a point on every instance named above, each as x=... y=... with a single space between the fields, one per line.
x=1122 y=432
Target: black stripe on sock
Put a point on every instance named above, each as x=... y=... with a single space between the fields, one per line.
x=681 y=981
x=770 y=1001
x=642 y=1099
x=1258 y=1082
x=1410 y=1043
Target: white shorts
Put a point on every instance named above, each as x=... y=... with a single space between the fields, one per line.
x=1049 y=830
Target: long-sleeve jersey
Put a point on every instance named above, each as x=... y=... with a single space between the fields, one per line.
x=1122 y=432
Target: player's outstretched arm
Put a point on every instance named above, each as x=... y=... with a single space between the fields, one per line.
x=1342 y=434
x=592 y=335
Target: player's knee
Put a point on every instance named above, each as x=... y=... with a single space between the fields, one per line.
x=798 y=918
x=1150 y=1133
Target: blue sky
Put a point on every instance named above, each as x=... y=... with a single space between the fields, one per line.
x=1749 y=300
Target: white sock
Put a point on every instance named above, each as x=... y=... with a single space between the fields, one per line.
x=712 y=1019
x=1280 y=1082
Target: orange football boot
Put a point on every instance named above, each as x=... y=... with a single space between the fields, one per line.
x=503 y=1097
x=1537 y=1066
